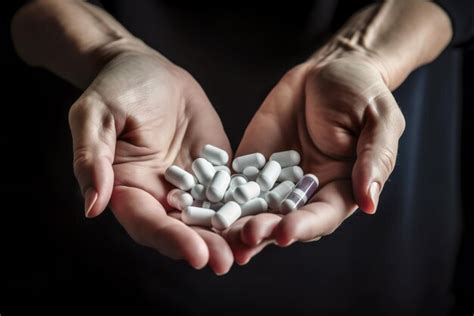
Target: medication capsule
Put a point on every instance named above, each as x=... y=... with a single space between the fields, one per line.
x=198 y=192
x=268 y=176
x=179 y=178
x=218 y=186
x=246 y=192
x=229 y=195
x=278 y=194
x=293 y=174
x=224 y=168
x=286 y=158
x=179 y=199
x=256 y=160
x=237 y=180
x=199 y=216
x=215 y=155
x=251 y=173
x=203 y=170
x=207 y=204
x=226 y=215
x=303 y=191
x=253 y=207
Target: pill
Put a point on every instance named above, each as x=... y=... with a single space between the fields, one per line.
x=246 y=192
x=224 y=168
x=256 y=160
x=228 y=196
x=264 y=195
x=207 y=204
x=214 y=155
x=286 y=158
x=226 y=215
x=293 y=174
x=268 y=176
x=253 y=207
x=251 y=173
x=218 y=186
x=179 y=178
x=179 y=199
x=278 y=194
x=203 y=170
x=200 y=216
x=237 y=180
x=198 y=192
x=302 y=193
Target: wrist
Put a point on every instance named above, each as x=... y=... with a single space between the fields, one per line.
x=395 y=36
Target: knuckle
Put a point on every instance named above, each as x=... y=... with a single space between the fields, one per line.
x=83 y=159
x=387 y=160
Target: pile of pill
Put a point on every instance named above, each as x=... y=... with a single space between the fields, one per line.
x=212 y=197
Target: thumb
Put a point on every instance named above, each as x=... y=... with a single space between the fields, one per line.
x=94 y=137
x=376 y=150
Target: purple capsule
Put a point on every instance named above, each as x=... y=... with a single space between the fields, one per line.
x=302 y=193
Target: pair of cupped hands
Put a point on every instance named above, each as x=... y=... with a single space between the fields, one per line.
x=142 y=114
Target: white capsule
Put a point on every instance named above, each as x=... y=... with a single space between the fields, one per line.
x=253 y=207
x=293 y=174
x=278 y=194
x=228 y=196
x=286 y=158
x=302 y=193
x=207 y=204
x=236 y=180
x=268 y=176
x=251 y=173
x=246 y=192
x=179 y=199
x=256 y=160
x=199 y=216
x=218 y=186
x=226 y=215
x=203 y=170
x=179 y=178
x=264 y=195
x=215 y=155
x=199 y=192
x=224 y=168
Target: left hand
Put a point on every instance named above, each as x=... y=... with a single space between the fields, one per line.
x=341 y=117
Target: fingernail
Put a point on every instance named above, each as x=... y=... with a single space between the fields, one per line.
x=374 y=194
x=89 y=200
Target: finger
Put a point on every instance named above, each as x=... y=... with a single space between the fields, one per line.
x=376 y=150
x=220 y=254
x=258 y=228
x=242 y=252
x=145 y=220
x=94 y=136
x=327 y=210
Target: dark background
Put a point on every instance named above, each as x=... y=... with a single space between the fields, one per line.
x=51 y=256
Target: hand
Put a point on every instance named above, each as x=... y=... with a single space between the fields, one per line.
x=340 y=115
x=140 y=115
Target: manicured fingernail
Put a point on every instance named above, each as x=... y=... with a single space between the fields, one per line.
x=89 y=200
x=374 y=194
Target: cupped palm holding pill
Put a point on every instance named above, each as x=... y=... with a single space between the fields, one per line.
x=342 y=118
x=139 y=116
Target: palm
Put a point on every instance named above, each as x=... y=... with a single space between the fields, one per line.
x=161 y=117
x=321 y=115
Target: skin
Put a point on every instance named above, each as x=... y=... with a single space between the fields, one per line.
x=338 y=111
x=140 y=113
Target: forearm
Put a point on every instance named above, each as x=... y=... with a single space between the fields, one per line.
x=71 y=38
x=400 y=34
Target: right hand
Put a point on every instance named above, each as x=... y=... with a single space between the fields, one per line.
x=140 y=115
